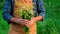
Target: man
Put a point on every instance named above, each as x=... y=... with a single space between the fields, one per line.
x=16 y=24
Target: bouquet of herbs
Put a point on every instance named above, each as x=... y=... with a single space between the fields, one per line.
x=27 y=14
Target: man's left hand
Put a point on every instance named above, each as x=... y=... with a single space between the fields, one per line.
x=31 y=22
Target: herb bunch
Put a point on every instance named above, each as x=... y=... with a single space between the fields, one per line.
x=26 y=15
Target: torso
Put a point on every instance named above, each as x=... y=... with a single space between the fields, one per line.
x=20 y=4
x=16 y=28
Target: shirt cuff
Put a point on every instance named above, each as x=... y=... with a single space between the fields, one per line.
x=7 y=17
x=43 y=15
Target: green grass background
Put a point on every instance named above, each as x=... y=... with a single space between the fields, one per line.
x=50 y=25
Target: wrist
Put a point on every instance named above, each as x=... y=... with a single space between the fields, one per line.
x=13 y=19
x=38 y=18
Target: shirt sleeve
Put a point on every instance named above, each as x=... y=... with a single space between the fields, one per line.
x=7 y=11
x=41 y=8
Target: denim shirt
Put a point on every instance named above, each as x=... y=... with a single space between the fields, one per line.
x=9 y=5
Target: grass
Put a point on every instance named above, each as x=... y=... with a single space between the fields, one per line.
x=51 y=23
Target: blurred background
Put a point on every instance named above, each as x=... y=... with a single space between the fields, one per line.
x=50 y=25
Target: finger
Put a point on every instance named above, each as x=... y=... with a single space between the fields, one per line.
x=26 y=20
x=26 y=25
x=22 y=21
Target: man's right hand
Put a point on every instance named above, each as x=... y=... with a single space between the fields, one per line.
x=21 y=22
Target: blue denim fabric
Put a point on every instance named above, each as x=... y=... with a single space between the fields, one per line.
x=9 y=4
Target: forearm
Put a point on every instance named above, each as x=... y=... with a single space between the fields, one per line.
x=12 y=19
x=41 y=9
x=38 y=18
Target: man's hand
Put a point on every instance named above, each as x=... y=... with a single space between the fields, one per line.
x=26 y=22
x=34 y=20
x=21 y=22
x=31 y=22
